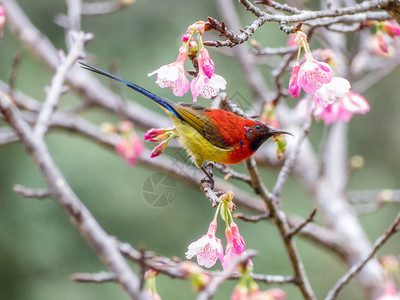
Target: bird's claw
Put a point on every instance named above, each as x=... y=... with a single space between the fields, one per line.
x=209 y=181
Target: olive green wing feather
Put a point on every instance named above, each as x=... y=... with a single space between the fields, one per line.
x=196 y=117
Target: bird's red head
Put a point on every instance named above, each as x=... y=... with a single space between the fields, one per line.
x=257 y=133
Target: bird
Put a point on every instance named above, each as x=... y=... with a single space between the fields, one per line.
x=207 y=134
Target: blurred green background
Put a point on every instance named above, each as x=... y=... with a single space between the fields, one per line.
x=39 y=249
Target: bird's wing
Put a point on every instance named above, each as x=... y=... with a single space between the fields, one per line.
x=196 y=117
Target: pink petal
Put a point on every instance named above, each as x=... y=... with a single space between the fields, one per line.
x=294 y=88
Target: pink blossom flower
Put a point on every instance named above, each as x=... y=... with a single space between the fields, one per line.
x=391 y=29
x=375 y=44
x=313 y=74
x=229 y=250
x=332 y=92
x=173 y=75
x=238 y=242
x=383 y=45
x=185 y=37
x=206 y=87
x=130 y=147
x=207 y=249
x=342 y=110
x=294 y=88
x=234 y=246
x=206 y=62
x=390 y=292
x=291 y=40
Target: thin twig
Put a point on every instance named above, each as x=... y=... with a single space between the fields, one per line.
x=14 y=72
x=101 y=8
x=31 y=193
x=325 y=17
x=384 y=195
x=393 y=228
x=230 y=173
x=252 y=219
x=55 y=91
x=296 y=230
x=100 y=277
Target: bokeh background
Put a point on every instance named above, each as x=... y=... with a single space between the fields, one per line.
x=39 y=249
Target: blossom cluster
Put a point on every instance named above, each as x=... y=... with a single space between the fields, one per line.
x=380 y=43
x=206 y=84
x=163 y=135
x=129 y=145
x=332 y=99
x=208 y=249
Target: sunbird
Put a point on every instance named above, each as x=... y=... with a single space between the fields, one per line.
x=208 y=134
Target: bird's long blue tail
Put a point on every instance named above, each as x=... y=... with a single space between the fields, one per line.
x=169 y=105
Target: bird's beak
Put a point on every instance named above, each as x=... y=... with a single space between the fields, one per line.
x=276 y=132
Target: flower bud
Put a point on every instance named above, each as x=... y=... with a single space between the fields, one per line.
x=193 y=48
x=357 y=162
x=159 y=149
x=386 y=196
x=300 y=37
x=125 y=3
x=185 y=37
x=108 y=128
x=199 y=26
x=391 y=29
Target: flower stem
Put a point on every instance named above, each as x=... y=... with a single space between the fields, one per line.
x=226 y=213
x=217 y=211
x=188 y=41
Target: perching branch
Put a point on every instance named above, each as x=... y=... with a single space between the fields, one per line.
x=352 y=14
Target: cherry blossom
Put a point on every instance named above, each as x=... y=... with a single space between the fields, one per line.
x=208 y=248
x=130 y=147
x=173 y=75
x=313 y=74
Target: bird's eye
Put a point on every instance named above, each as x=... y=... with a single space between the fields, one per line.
x=258 y=127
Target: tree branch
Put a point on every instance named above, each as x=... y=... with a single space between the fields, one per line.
x=80 y=216
x=394 y=227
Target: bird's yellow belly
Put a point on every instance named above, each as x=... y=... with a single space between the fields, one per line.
x=197 y=146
